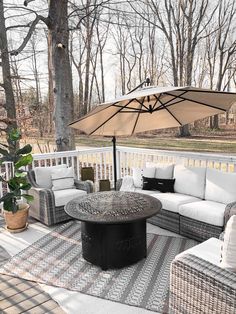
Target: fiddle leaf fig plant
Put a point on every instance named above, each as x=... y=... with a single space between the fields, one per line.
x=17 y=180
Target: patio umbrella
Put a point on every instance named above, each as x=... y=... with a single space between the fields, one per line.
x=152 y=108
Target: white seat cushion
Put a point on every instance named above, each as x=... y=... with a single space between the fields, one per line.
x=205 y=211
x=190 y=180
x=62 y=197
x=43 y=175
x=208 y=250
x=148 y=192
x=220 y=186
x=172 y=201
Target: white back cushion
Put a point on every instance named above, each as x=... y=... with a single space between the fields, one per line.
x=138 y=174
x=228 y=251
x=220 y=186
x=43 y=175
x=190 y=180
x=163 y=171
x=62 y=179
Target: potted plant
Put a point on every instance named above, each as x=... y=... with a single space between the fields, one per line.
x=14 y=200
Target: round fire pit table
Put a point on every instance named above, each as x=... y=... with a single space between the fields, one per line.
x=113 y=228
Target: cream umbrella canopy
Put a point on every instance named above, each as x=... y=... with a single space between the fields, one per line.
x=153 y=108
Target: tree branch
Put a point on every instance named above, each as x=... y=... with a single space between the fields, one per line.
x=29 y=34
x=26 y=2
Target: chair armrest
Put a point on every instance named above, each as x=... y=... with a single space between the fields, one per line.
x=43 y=206
x=197 y=286
x=84 y=185
x=118 y=184
x=31 y=179
x=230 y=210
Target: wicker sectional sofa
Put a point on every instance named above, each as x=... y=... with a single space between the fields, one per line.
x=198 y=206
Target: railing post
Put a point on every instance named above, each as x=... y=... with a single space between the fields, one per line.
x=118 y=163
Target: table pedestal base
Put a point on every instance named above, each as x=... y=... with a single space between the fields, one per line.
x=114 y=245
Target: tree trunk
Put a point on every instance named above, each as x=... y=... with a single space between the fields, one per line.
x=6 y=74
x=61 y=72
x=50 y=87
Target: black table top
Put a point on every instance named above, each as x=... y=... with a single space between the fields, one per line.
x=113 y=207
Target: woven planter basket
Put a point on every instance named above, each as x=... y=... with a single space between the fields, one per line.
x=17 y=221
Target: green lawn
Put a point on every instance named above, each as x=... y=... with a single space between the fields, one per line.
x=171 y=143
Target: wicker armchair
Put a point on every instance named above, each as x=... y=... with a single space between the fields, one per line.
x=43 y=208
x=197 y=286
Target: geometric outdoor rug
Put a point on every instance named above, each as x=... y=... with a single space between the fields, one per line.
x=56 y=260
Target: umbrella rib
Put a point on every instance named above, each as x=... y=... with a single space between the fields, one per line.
x=205 y=91
x=158 y=98
x=197 y=102
x=170 y=113
x=110 y=117
x=136 y=121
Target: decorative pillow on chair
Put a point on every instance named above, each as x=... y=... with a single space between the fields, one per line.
x=162 y=185
x=62 y=179
x=228 y=251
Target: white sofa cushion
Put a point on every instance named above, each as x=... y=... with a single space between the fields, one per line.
x=190 y=180
x=163 y=171
x=127 y=184
x=220 y=186
x=206 y=211
x=229 y=245
x=148 y=192
x=62 y=179
x=43 y=175
x=172 y=201
x=138 y=174
x=62 y=197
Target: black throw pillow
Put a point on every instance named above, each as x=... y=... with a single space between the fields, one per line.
x=155 y=184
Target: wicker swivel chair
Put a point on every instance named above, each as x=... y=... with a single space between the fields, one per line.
x=48 y=205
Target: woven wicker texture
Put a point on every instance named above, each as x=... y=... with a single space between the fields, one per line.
x=199 y=287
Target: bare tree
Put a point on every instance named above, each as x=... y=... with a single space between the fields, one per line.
x=58 y=33
x=9 y=105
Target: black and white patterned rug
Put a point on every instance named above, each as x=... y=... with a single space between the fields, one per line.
x=56 y=259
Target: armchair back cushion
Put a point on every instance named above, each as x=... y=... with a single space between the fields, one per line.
x=220 y=186
x=43 y=175
x=62 y=179
x=190 y=181
x=228 y=251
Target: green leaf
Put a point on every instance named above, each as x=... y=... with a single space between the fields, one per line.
x=13 y=184
x=21 y=174
x=10 y=205
x=14 y=135
x=24 y=161
x=26 y=186
x=29 y=198
x=24 y=150
x=7 y=196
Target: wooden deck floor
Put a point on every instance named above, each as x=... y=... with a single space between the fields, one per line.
x=23 y=296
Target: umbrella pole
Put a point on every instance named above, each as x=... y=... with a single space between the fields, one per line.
x=114 y=160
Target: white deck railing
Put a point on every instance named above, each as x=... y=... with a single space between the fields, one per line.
x=102 y=161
